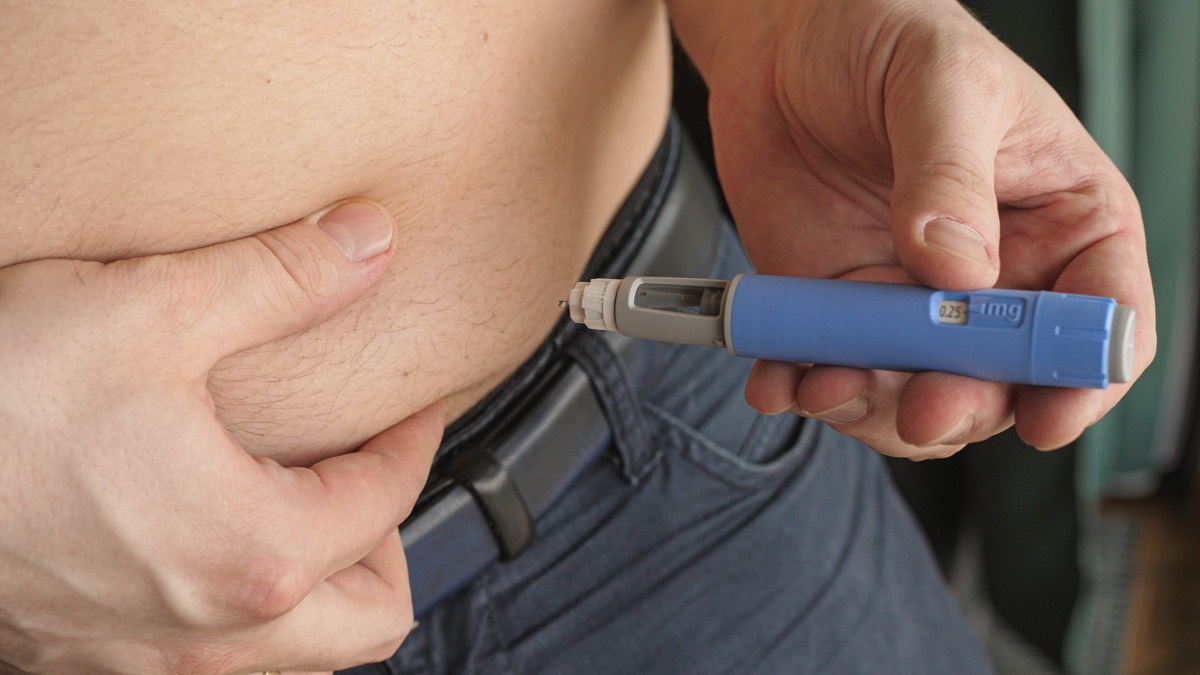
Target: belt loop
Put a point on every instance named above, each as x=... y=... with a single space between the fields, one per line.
x=478 y=470
x=622 y=406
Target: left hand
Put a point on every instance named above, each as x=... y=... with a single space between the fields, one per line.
x=137 y=534
x=898 y=140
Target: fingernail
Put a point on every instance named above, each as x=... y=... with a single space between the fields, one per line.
x=957 y=434
x=1050 y=447
x=954 y=237
x=792 y=409
x=360 y=229
x=851 y=411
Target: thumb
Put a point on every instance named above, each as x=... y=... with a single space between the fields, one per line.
x=944 y=124
x=282 y=281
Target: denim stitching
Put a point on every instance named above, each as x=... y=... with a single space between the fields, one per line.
x=621 y=404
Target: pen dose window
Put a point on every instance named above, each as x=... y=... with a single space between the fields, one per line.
x=952 y=311
x=978 y=310
x=681 y=299
x=950 y=308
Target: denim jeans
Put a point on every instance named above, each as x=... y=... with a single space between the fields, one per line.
x=710 y=539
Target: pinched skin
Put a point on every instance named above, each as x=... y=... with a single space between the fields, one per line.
x=500 y=136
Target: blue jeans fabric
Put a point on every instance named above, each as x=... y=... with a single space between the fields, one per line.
x=711 y=540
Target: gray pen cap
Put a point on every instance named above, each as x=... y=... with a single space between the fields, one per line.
x=668 y=309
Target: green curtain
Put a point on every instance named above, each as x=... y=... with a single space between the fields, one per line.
x=1141 y=100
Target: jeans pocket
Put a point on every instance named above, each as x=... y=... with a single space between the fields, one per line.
x=772 y=447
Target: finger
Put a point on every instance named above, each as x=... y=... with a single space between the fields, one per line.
x=359 y=615
x=1049 y=417
x=243 y=293
x=342 y=506
x=945 y=124
x=858 y=402
x=314 y=522
x=866 y=405
x=861 y=404
x=944 y=409
x=771 y=386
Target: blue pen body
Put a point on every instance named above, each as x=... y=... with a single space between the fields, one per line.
x=1041 y=337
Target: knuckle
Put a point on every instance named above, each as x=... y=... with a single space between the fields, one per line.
x=953 y=52
x=960 y=168
x=981 y=65
x=265 y=589
x=957 y=48
x=302 y=271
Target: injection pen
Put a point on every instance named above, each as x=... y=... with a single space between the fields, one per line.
x=1030 y=337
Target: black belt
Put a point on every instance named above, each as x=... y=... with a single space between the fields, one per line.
x=507 y=462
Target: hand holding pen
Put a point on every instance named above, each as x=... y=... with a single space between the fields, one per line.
x=877 y=140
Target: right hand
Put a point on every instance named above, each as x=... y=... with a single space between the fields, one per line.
x=135 y=534
x=898 y=140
